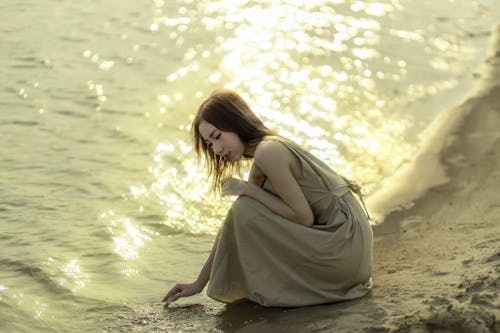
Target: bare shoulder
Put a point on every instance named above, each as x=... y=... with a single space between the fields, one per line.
x=273 y=156
x=271 y=151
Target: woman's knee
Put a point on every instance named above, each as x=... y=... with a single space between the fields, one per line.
x=244 y=211
x=242 y=204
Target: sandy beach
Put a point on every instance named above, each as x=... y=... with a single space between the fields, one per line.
x=437 y=261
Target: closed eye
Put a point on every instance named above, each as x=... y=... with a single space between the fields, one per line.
x=217 y=137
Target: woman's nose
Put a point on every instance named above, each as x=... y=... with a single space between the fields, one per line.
x=217 y=148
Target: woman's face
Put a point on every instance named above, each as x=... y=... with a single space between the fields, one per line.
x=225 y=144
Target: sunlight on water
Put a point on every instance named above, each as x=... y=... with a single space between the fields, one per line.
x=40 y=308
x=184 y=192
x=128 y=237
x=280 y=58
x=74 y=278
x=315 y=72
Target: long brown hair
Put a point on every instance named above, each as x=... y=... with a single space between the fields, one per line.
x=227 y=111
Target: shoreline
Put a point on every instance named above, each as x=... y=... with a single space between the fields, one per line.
x=425 y=171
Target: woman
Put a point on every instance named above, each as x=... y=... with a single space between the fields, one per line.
x=295 y=235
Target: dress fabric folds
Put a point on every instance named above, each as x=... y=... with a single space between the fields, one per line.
x=265 y=258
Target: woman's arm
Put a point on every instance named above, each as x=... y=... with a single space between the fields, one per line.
x=204 y=275
x=189 y=289
x=275 y=161
x=256 y=176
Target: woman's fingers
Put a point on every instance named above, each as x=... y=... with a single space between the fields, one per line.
x=181 y=290
x=175 y=290
x=176 y=297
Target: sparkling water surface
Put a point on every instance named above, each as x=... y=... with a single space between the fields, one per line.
x=103 y=206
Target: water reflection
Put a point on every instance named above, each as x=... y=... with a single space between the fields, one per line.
x=303 y=64
x=326 y=74
x=74 y=278
x=128 y=237
x=40 y=308
x=183 y=191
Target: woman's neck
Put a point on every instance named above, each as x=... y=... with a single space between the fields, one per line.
x=250 y=149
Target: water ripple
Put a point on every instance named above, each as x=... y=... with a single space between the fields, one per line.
x=34 y=271
x=72 y=114
x=23 y=123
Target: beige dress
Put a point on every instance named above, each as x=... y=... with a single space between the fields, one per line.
x=270 y=260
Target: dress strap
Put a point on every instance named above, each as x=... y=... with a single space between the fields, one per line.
x=355 y=188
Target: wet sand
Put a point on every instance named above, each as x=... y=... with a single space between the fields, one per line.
x=437 y=263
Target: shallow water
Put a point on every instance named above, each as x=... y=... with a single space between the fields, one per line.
x=102 y=205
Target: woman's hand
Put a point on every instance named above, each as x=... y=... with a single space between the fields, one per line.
x=182 y=290
x=233 y=186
